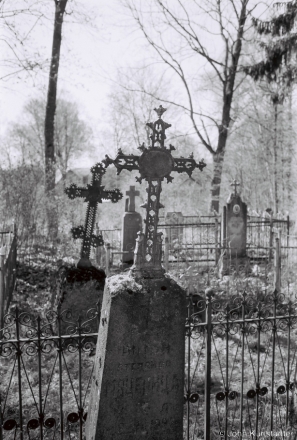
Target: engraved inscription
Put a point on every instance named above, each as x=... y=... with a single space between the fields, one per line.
x=144 y=366
x=139 y=386
x=144 y=349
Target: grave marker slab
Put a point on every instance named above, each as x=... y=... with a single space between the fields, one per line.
x=235 y=230
x=137 y=389
x=132 y=224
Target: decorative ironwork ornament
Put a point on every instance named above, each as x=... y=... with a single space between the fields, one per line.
x=93 y=194
x=154 y=164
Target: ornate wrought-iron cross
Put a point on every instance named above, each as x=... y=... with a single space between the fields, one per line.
x=93 y=194
x=155 y=163
x=235 y=184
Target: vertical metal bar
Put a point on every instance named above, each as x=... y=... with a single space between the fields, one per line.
x=242 y=362
x=19 y=354
x=273 y=361
x=60 y=348
x=189 y=367
x=166 y=254
x=80 y=409
x=288 y=230
x=107 y=268
x=227 y=373
x=208 y=293
x=41 y=415
x=277 y=280
x=258 y=369
x=2 y=286
x=288 y=366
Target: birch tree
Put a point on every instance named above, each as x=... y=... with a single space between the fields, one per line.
x=193 y=37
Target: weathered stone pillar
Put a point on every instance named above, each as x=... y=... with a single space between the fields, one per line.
x=138 y=382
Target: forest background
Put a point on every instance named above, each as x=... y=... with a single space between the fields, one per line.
x=118 y=61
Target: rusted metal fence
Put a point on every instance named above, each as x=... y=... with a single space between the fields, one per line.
x=241 y=360
x=45 y=374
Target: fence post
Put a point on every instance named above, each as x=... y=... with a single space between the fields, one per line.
x=166 y=254
x=2 y=285
x=277 y=280
x=107 y=267
x=208 y=293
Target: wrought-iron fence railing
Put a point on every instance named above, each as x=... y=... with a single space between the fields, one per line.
x=241 y=366
x=46 y=370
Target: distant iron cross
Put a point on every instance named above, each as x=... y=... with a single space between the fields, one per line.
x=155 y=163
x=132 y=193
x=93 y=194
x=235 y=184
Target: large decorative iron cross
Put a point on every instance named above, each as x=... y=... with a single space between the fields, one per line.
x=93 y=194
x=155 y=163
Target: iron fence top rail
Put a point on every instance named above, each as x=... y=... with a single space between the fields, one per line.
x=48 y=338
x=231 y=321
x=174 y=225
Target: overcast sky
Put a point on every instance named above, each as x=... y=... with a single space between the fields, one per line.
x=89 y=60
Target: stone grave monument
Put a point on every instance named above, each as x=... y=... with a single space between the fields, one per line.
x=132 y=224
x=234 y=233
x=137 y=390
x=81 y=288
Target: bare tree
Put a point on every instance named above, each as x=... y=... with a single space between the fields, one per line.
x=72 y=135
x=207 y=36
x=49 y=124
x=17 y=56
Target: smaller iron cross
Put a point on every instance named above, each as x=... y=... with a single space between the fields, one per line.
x=154 y=164
x=93 y=194
x=235 y=184
x=132 y=193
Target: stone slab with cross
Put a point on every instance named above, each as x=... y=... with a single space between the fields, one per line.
x=131 y=225
x=137 y=389
x=234 y=231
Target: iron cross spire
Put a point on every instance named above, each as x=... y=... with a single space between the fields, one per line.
x=155 y=163
x=93 y=194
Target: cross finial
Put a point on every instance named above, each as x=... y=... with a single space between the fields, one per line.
x=132 y=193
x=235 y=184
x=160 y=111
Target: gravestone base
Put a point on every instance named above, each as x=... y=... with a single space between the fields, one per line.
x=78 y=290
x=235 y=264
x=138 y=381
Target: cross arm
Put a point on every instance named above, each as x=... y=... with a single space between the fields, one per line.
x=187 y=165
x=114 y=195
x=123 y=161
x=74 y=191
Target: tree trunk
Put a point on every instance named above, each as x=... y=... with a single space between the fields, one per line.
x=218 y=161
x=228 y=92
x=49 y=124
